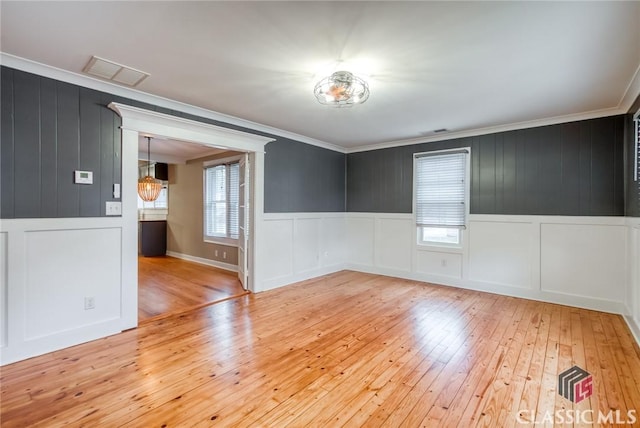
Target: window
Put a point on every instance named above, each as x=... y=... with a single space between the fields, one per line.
x=636 y=151
x=441 y=196
x=161 y=203
x=221 y=198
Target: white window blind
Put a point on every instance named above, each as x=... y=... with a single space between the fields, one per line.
x=636 y=169
x=440 y=189
x=221 y=201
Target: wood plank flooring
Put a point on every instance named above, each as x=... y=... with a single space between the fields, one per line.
x=168 y=286
x=348 y=349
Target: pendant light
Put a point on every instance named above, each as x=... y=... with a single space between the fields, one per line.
x=148 y=187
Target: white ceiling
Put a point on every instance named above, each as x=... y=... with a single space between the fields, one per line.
x=457 y=65
x=173 y=151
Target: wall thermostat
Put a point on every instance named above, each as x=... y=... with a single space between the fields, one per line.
x=83 y=177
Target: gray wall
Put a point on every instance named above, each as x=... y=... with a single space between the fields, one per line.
x=632 y=188
x=574 y=168
x=303 y=178
x=51 y=128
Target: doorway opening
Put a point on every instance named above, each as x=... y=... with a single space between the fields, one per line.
x=191 y=251
x=138 y=122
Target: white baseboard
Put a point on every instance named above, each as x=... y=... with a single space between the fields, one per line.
x=203 y=261
x=301 y=276
x=542 y=296
x=634 y=327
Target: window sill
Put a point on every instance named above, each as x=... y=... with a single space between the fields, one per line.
x=440 y=248
x=221 y=241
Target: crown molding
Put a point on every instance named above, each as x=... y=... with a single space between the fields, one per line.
x=632 y=92
x=492 y=129
x=44 y=70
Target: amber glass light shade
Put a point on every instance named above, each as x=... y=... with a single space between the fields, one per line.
x=149 y=188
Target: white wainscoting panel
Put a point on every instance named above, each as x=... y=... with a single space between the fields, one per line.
x=278 y=239
x=361 y=239
x=56 y=298
x=439 y=263
x=580 y=261
x=501 y=253
x=4 y=264
x=300 y=246
x=584 y=260
x=306 y=245
x=333 y=240
x=632 y=315
x=51 y=266
x=394 y=243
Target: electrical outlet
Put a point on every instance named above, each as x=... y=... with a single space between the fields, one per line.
x=89 y=303
x=216 y=253
x=224 y=254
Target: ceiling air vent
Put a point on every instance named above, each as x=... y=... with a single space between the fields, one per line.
x=115 y=72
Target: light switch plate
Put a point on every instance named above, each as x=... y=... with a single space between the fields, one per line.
x=83 y=177
x=116 y=191
x=114 y=208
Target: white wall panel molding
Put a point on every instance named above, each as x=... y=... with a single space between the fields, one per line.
x=302 y=246
x=585 y=257
x=632 y=298
x=502 y=253
x=43 y=307
x=4 y=264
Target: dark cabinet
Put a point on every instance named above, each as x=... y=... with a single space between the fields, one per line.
x=153 y=238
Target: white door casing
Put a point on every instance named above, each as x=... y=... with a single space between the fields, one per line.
x=140 y=121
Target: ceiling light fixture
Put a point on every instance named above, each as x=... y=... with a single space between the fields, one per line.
x=341 y=89
x=148 y=187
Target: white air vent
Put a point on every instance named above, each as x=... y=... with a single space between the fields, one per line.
x=110 y=70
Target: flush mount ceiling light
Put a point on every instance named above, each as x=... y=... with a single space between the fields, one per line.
x=115 y=72
x=341 y=89
x=148 y=187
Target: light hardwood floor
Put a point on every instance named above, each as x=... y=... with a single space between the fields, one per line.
x=348 y=349
x=168 y=286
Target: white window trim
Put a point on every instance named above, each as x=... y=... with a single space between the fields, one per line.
x=467 y=199
x=220 y=240
x=636 y=163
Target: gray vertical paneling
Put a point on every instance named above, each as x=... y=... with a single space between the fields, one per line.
x=532 y=160
x=6 y=144
x=68 y=138
x=108 y=172
x=303 y=178
x=26 y=158
x=90 y=152
x=602 y=185
x=585 y=155
x=499 y=173
x=487 y=174
x=550 y=168
x=521 y=195
x=509 y=181
x=567 y=169
x=570 y=179
x=49 y=149
x=618 y=164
